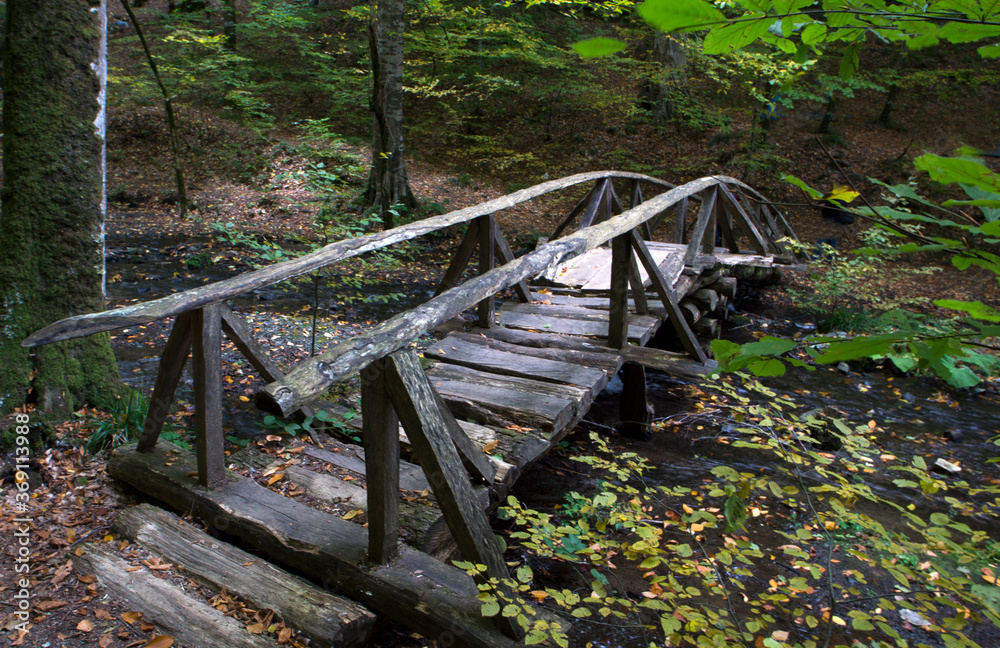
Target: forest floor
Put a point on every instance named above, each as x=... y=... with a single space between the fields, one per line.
x=73 y=499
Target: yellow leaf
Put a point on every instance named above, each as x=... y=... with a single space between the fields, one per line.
x=842 y=193
x=244 y=399
x=256 y=628
x=352 y=514
x=491 y=446
x=696 y=528
x=160 y=641
x=687 y=509
x=539 y=595
x=275 y=477
x=85 y=626
x=131 y=617
x=839 y=621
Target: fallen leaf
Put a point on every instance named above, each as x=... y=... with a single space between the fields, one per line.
x=131 y=617
x=352 y=514
x=275 y=478
x=85 y=626
x=160 y=641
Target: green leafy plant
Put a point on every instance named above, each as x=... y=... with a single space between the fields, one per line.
x=701 y=551
x=122 y=424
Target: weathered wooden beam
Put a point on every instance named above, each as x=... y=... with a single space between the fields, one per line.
x=701 y=225
x=594 y=206
x=680 y=220
x=708 y=238
x=315 y=375
x=381 y=436
x=618 y=305
x=647 y=227
x=425 y=425
x=506 y=255
x=177 y=303
x=168 y=376
x=742 y=220
x=579 y=207
x=669 y=300
x=486 y=310
x=328 y=620
x=453 y=275
x=207 y=370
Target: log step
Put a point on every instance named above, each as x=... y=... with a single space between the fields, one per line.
x=426 y=595
x=327 y=620
x=189 y=621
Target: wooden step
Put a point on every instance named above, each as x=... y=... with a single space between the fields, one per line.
x=640 y=329
x=508 y=400
x=507 y=362
x=432 y=598
x=328 y=620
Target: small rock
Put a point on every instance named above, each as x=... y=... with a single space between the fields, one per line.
x=913 y=618
x=843 y=368
x=955 y=436
x=909 y=398
x=946 y=467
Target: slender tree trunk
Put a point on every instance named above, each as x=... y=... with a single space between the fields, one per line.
x=229 y=23
x=388 y=184
x=53 y=201
x=667 y=50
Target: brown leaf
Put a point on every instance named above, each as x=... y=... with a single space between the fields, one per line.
x=160 y=641
x=62 y=572
x=256 y=628
x=491 y=446
x=105 y=641
x=146 y=626
x=131 y=617
x=275 y=478
x=85 y=626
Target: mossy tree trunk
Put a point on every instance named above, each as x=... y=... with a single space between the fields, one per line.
x=388 y=185
x=53 y=201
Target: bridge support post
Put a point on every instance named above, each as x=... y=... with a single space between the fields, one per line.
x=380 y=430
x=207 y=369
x=431 y=427
x=487 y=260
x=635 y=413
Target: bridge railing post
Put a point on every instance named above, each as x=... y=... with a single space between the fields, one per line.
x=486 y=310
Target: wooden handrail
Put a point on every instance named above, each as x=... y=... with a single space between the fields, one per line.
x=83 y=325
x=316 y=375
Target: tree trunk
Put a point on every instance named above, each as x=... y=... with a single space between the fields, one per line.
x=53 y=201
x=388 y=185
x=667 y=50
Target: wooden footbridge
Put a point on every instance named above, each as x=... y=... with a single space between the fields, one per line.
x=479 y=406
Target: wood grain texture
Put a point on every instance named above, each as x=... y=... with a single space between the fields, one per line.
x=328 y=620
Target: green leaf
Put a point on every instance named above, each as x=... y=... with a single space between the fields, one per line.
x=989 y=51
x=490 y=608
x=975 y=309
x=861 y=347
x=767 y=368
x=921 y=35
x=814 y=33
x=680 y=15
x=524 y=574
x=813 y=193
x=958 y=170
x=850 y=62
x=955 y=32
x=730 y=38
x=594 y=47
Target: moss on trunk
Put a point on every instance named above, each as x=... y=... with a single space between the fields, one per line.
x=52 y=220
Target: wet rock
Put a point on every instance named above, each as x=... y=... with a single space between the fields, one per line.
x=843 y=368
x=955 y=436
x=945 y=467
x=913 y=618
x=909 y=398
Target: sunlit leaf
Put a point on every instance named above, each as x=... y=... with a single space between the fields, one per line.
x=600 y=46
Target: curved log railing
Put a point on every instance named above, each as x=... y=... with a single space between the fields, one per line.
x=394 y=388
